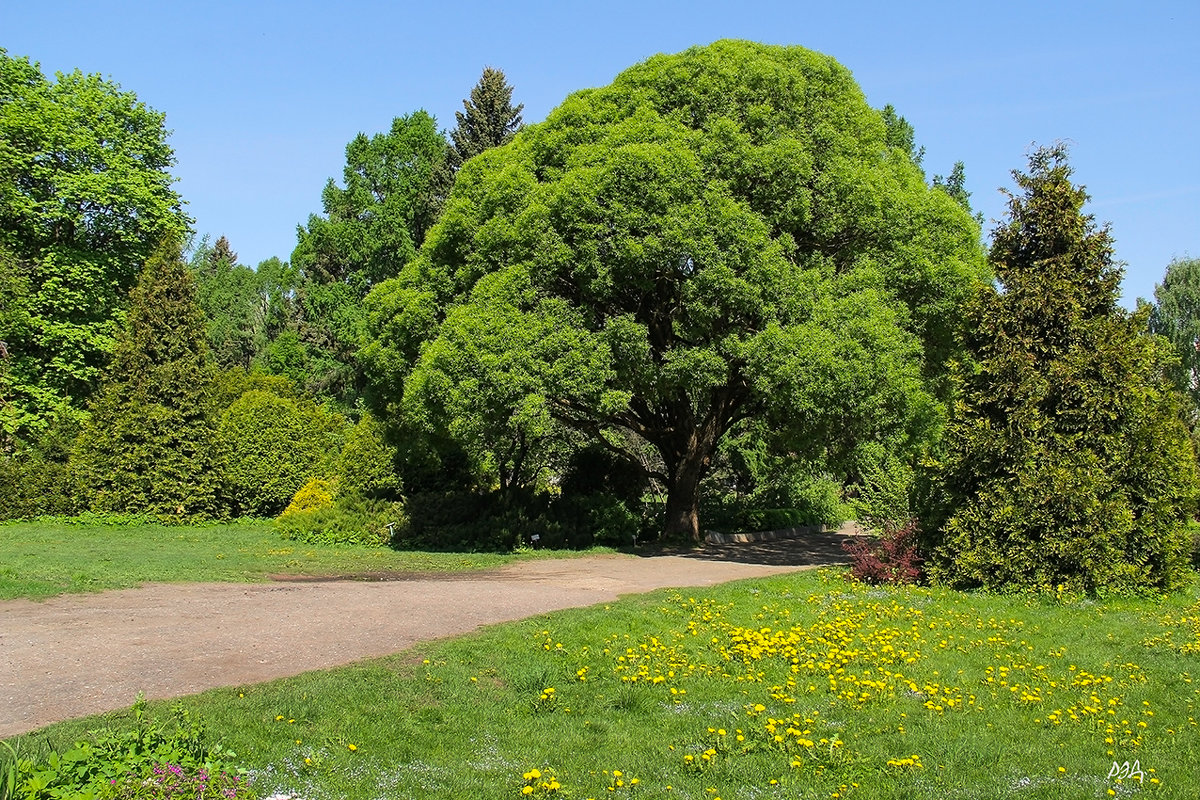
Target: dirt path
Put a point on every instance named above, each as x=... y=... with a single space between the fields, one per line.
x=75 y=655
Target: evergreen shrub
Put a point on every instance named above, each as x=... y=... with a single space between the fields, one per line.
x=271 y=445
x=36 y=480
x=368 y=462
x=351 y=520
x=316 y=494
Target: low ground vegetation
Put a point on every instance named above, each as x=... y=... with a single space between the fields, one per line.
x=802 y=686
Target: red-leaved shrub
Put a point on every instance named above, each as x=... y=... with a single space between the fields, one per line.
x=890 y=557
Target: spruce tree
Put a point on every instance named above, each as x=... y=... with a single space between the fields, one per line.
x=1068 y=464
x=488 y=118
x=148 y=446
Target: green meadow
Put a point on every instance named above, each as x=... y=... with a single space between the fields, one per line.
x=801 y=686
x=44 y=558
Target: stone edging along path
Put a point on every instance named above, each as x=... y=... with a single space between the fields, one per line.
x=75 y=655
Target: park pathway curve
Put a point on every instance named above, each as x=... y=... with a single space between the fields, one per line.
x=75 y=655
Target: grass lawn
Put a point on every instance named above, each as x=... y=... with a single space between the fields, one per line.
x=800 y=686
x=45 y=558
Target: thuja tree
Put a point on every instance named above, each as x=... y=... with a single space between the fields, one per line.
x=148 y=445
x=1067 y=464
x=719 y=236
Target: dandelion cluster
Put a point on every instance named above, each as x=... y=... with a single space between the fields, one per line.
x=535 y=782
x=807 y=664
x=1180 y=632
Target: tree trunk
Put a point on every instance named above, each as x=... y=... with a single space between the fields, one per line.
x=683 y=495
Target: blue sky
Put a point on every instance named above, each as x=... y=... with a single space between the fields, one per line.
x=263 y=97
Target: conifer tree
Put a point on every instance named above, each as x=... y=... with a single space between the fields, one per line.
x=488 y=118
x=1068 y=464
x=148 y=446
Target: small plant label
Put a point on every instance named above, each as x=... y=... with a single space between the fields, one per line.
x=1122 y=771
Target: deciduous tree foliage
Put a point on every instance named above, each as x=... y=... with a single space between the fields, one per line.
x=374 y=224
x=720 y=235
x=148 y=446
x=85 y=197
x=1176 y=316
x=1068 y=464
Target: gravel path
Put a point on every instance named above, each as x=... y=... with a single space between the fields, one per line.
x=75 y=655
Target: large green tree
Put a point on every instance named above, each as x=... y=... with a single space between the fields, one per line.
x=85 y=197
x=1176 y=317
x=721 y=235
x=372 y=226
x=1068 y=463
x=149 y=444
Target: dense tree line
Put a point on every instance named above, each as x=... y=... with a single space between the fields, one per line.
x=719 y=292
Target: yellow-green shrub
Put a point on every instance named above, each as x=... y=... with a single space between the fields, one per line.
x=315 y=495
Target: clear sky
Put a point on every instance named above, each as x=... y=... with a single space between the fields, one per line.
x=262 y=97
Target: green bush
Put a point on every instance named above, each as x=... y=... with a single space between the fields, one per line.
x=271 y=445
x=230 y=384
x=604 y=520
x=465 y=520
x=883 y=501
x=316 y=493
x=36 y=480
x=795 y=497
x=368 y=462
x=352 y=519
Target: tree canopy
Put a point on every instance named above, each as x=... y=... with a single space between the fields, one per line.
x=372 y=226
x=720 y=235
x=1176 y=317
x=85 y=198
